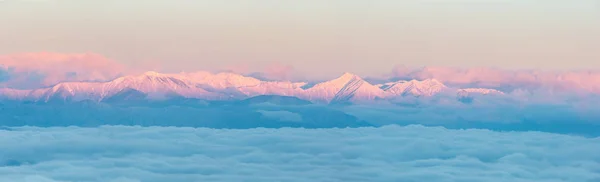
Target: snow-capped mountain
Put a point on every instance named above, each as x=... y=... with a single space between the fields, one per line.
x=159 y=85
x=347 y=87
x=241 y=86
x=426 y=87
x=154 y=85
x=220 y=80
x=226 y=86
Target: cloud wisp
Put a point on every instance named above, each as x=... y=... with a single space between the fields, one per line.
x=33 y=70
x=506 y=80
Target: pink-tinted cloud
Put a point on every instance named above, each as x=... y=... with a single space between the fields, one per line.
x=238 y=68
x=588 y=81
x=279 y=72
x=47 y=68
x=273 y=71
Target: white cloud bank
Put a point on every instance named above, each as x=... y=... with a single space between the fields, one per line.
x=393 y=153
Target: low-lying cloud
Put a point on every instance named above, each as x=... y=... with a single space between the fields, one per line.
x=548 y=113
x=33 y=70
x=393 y=153
x=506 y=80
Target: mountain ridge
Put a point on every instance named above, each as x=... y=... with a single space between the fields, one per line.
x=230 y=86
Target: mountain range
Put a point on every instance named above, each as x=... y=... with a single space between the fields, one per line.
x=230 y=86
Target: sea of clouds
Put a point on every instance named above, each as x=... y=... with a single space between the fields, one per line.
x=390 y=153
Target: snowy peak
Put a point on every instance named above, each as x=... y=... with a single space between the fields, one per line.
x=347 y=87
x=149 y=82
x=158 y=85
x=348 y=76
x=221 y=80
x=339 y=82
x=152 y=73
x=69 y=91
x=432 y=82
x=426 y=87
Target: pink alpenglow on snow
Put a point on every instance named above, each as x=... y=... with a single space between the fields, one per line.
x=40 y=76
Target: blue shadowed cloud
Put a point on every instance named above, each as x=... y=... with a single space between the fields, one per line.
x=412 y=153
x=4 y=74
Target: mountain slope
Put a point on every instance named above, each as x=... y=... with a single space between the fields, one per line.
x=158 y=86
x=427 y=87
x=220 y=80
x=347 y=87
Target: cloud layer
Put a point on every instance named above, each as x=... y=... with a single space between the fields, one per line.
x=413 y=153
x=506 y=80
x=43 y=69
x=31 y=70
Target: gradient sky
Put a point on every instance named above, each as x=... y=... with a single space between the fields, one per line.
x=315 y=37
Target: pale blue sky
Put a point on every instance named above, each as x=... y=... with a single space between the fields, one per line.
x=316 y=37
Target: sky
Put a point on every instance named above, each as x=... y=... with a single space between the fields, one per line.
x=314 y=37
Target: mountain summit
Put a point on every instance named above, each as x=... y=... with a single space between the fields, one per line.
x=427 y=87
x=348 y=87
